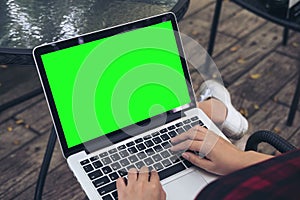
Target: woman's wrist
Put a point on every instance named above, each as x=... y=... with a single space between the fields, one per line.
x=252 y=157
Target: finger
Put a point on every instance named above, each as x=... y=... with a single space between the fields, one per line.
x=163 y=194
x=132 y=176
x=192 y=145
x=144 y=174
x=195 y=133
x=154 y=177
x=200 y=162
x=120 y=187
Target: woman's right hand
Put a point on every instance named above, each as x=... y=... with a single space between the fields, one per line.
x=223 y=158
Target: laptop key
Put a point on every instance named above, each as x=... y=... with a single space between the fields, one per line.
x=115 y=166
x=115 y=194
x=124 y=153
x=180 y=130
x=165 y=137
x=164 y=130
x=155 y=134
x=132 y=150
x=156 y=140
x=171 y=170
x=139 y=165
x=107 y=197
x=121 y=147
x=133 y=159
x=157 y=157
x=187 y=127
x=148 y=161
x=123 y=172
x=124 y=162
x=158 y=148
x=171 y=127
x=114 y=150
x=106 y=169
x=187 y=163
x=95 y=174
x=88 y=168
x=186 y=121
x=94 y=158
x=194 y=118
x=165 y=154
x=179 y=124
x=149 y=152
x=149 y=143
x=166 y=145
x=107 y=188
x=158 y=166
x=141 y=147
x=129 y=144
x=101 y=181
x=172 y=134
x=102 y=155
x=115 y=157
x=174 y=159
x=113 y=176
x=130 y=167
x=147 y=137
x=106 y=161
x=139 y=140
x=84 y=162
x=97 y=164
x=141 y=155
x=166 y=163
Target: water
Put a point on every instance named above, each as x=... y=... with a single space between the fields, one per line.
x=27 y=23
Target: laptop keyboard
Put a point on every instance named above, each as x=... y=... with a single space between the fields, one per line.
x=151 y=150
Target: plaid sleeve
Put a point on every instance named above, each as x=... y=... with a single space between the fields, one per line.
x=276 y=178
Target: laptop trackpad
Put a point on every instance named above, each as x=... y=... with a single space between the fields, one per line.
x=185 y=187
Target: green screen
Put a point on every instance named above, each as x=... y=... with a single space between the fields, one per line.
x=104 y=85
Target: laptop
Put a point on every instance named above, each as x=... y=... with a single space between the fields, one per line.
x=116 y=97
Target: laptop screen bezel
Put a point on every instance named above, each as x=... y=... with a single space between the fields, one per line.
x=118 y=135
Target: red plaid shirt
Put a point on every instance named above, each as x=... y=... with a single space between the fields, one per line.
x=276 y=178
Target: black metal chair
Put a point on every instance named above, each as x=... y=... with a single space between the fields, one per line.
x=258 y=8
x=271 y=138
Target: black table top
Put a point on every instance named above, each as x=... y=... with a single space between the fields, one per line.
x=25 y=24
x=259 y=8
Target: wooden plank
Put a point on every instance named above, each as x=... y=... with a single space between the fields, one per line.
x=37 y=116
x=196 y=6
x=17 y=81
x=241 y=24
x=199 y=31
x=295 y=139
x=243 y=55
x=20 y=170
x=60 y=184
x=272 y=116
x=285 y=96
x=13 y=135
x=268 y=78
x=293 y=46
x=6 y=114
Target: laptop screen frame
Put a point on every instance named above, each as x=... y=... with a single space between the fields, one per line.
x=120 y=134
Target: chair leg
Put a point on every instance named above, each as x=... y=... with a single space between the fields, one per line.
x=45 y=165
x=295 y=102
x=285 y=36
x=214 y=27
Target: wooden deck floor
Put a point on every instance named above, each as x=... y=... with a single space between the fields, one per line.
x=260 y=73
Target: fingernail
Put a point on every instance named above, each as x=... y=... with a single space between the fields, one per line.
x=185 y=156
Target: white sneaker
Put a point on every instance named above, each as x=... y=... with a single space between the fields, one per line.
x=235 y=125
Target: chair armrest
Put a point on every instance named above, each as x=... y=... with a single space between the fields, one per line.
x=269 y=137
